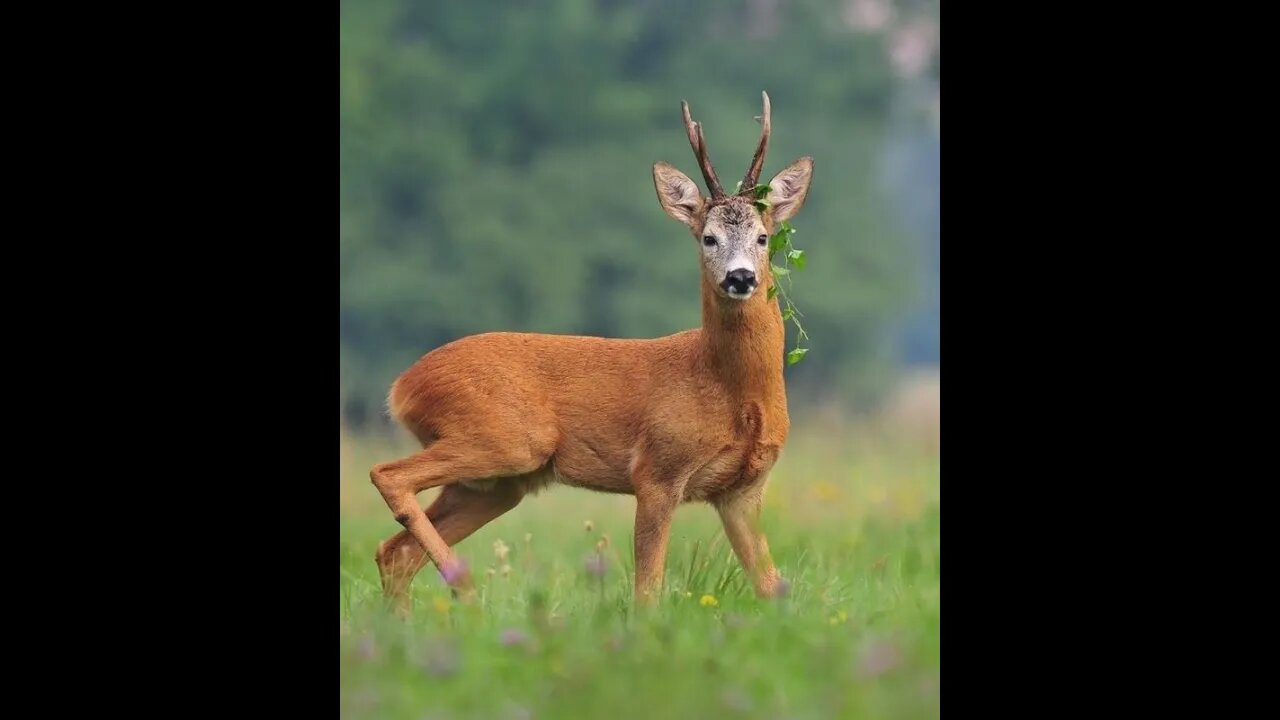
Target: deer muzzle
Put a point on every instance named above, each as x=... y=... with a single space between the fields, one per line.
x=739 y=283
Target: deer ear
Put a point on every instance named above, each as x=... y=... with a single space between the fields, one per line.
x=677 y=194
x=790 y=187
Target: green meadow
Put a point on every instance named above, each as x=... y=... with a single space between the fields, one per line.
x=852 y=515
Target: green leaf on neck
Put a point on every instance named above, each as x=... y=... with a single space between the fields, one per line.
x=781 y=241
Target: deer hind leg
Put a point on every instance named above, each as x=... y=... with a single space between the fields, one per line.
x=457 y=513
x=740 y=515
x=444 y=463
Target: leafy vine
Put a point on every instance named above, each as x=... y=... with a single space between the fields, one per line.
x=792 y=258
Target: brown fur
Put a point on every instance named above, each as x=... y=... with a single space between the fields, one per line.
x=696 y=416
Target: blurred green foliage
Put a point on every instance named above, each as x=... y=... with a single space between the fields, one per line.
x=495 y=174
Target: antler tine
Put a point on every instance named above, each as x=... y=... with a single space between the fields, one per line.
x=757 y=163
x=699 y=145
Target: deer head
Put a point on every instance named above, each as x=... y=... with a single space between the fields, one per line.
x=732 y=231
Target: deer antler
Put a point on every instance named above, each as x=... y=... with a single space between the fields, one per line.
x=753 y=173
x=699 y=145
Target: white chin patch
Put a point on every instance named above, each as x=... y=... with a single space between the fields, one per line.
x=739 y=295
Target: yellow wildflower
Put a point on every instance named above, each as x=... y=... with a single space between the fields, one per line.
x=826 y=491
x=708 y=601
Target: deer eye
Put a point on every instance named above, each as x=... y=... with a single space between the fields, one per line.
x=762 y=239
x=708 y=241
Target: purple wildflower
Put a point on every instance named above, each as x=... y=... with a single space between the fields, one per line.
x=877 y=658
x=454 y=572
x=783 y=589
x=512 y=637
x=595 y=565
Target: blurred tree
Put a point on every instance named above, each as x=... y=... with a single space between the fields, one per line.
x=495 y=174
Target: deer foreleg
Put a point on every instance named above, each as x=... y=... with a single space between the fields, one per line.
x=740 y=514
x=656 y=504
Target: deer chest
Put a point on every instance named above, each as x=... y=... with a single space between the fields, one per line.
x=741 y=458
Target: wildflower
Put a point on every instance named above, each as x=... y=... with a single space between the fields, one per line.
x=595 y=565
x=441 y=605
x=784 y=588
x=826 y=492
x=454 y=572
x=512 y=637
x=500 y=550
x=505 y=570
x=877 y=658
x=708 y=601
x=588 y=526
x=602 y=543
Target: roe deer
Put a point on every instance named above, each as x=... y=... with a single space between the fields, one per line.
x=699 y=415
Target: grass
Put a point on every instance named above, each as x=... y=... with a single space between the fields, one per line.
x=852 y=516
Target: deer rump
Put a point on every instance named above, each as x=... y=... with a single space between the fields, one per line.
x=586 y=411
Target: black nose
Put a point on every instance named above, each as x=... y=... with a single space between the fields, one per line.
x=739 y=281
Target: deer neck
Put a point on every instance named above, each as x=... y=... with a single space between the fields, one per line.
x=743 y=341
